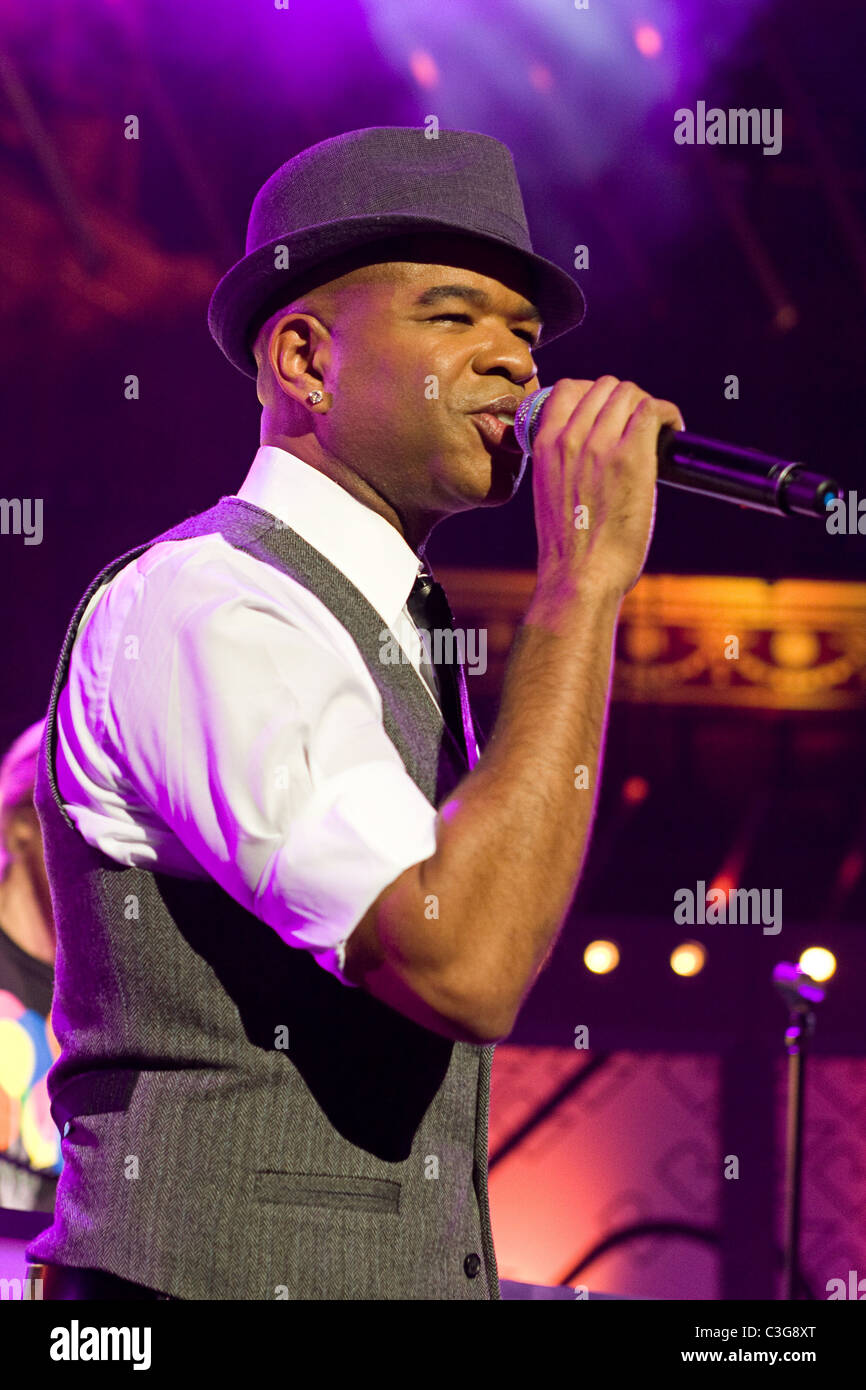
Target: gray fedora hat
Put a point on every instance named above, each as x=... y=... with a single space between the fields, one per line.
x=368 y=186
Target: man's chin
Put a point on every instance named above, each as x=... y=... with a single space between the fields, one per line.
x=504 y=475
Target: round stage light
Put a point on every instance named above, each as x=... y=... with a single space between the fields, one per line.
x=648 y=40
x=635 y=790
x=818 y=963
x=689 y=958
x=601 y=957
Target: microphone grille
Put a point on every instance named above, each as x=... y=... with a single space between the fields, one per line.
x=526 y=418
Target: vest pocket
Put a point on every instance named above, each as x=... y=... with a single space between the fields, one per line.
x=331 y=1190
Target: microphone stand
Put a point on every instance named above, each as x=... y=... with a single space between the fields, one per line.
x=799 y=992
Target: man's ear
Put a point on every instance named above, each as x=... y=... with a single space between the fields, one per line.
x=21 y=829
x=262 y=370
x=298 y=351
x=261 y=353
x=259 y=347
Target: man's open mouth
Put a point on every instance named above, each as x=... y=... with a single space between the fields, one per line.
x=496 y=423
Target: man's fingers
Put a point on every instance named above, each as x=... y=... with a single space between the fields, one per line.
x=612 y=418
x=652 y=413
x=559 y=407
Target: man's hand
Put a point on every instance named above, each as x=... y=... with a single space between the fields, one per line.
x=596 y=448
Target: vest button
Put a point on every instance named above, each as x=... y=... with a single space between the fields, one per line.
x=471 y=1265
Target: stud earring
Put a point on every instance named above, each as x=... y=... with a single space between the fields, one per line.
x=314 y=397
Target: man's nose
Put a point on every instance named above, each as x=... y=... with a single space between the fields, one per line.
x=513 y=362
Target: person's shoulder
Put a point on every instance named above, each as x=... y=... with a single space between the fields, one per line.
x=182 y=570
x=158 y=567
x=197 y=576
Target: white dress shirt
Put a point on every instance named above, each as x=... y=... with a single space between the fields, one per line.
x=218 y=721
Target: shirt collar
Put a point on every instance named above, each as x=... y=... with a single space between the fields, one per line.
x=365 y=547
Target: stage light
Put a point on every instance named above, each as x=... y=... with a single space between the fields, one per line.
x=818 y=963
x=689 y=958
x=648 y=40
x=423 y=67
x=786 y=318
x=541 y=77
x=601 y=957
x=635 y=790
x=850 y=869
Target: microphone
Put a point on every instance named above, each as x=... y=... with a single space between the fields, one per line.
x=711 y=469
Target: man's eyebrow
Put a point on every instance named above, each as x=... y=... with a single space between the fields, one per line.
x=472 y=295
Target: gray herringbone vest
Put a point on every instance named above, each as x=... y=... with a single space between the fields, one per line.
x=202 y=1158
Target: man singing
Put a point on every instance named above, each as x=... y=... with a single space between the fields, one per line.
x=295 y=910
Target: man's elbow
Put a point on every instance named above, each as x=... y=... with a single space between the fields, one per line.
x=485 y=1013
x=438 y=996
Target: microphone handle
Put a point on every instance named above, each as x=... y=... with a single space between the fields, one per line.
x=712 y=469
x=745 y=476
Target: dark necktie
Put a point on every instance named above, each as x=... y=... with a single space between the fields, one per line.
x=430 y=612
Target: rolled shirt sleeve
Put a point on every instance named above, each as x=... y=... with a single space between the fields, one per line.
x=244 y=721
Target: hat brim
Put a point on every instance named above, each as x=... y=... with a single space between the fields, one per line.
x=255 y=279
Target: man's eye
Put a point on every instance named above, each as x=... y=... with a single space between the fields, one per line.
x=465 y=318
